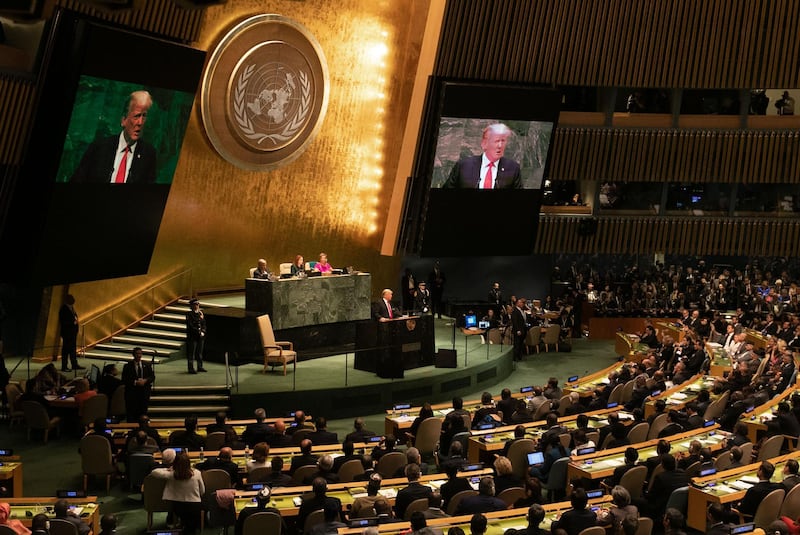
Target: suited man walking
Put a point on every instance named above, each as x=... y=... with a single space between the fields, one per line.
x=519 y=326
x=490 y=170
x=138 y=377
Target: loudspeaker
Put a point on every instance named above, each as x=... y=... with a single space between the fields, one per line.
x=446 y=358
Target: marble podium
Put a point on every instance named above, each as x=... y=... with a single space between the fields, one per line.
x=310 y=301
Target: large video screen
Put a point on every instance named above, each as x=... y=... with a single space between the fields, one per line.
x=110 y=120
x=486 y=151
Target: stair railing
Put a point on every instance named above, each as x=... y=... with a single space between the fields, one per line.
x=126 y=314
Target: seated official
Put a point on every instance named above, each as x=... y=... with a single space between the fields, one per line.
x=534 y=517
x=278 y=437
x=259 y=460
x=16 y=525
x=219 y=425
x=321 y=435
x=298 y=266
x=453 y=485
x=412 y=457
x=359 y=434
x=63 y=512
x=276 y=477
x=414 y=491
x=305 y=458
x=434 y=509
x=258 y=431
x=505 y=478
x=319 y=499
x=578 y=518
x=756 y=494
x=484 y=502
x=262 y=271
x=223 y=461
x=188 y=437
x=262 y=502
x=364 y=506
x=322 y=265
x=348 y=449
x=325 y=470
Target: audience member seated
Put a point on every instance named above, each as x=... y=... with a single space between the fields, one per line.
x=533 y=493
x=259 y=458
x=455 y=457
x=262 y=506
x=150 y=431
x=554 y=429
x=674 y=522
x=453 y=485
x=331 y=514
x=384 y=513
x=663 y=484
x=276 y=477
x=484 y=502
x=359 y=434
x=631 y=456
x=63 y=512
x=16 y=525
x=40 y=524
x=299 y=423
x=321 y=435
x=534 y=516
x=257 y=431
x=553 y=452
x=108 y=524
x=369 y=468
x=277 y=438
x=82 y=393
x=425 y=412
x=716 y=516
x=504 y=478
x=223 y=461
x=458 y=410
x=364 y=506
x=325 y=470
x=414 y=491
x=507 y=405
x=220 y=425
x=621 y=508
x=521 y=414
x=419 y=524
x=434 y=509
x=188 y=437
x=451 y=426
x=519 y=434
x=384 y=446
x=477 y=524
x=348 y=448
x=99 y=428
x=790 y=474
x=317 y=500
x=756 y=494
x=412 y=457
x=486 y=413
x=575 y=520
x=305 y=458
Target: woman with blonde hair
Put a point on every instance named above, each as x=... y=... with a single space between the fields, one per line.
x=185 y=489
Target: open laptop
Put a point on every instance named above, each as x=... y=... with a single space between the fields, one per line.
x=535 y=458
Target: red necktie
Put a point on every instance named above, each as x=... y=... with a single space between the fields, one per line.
x=487 y=180
x=123 y=164
x=389 y=308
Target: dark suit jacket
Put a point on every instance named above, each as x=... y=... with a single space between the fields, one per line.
x=663 y=485
x=379 y=310
x=413 y=491
x=129 y=376
x=453 y=487
x=480 y=504
x=518 y=323
x=302 y=460
x=466 y=174
x=68 y=322
x=97 y=163
x=321 y=436
x=755 y=495
x=574 y=521
x=255 y=433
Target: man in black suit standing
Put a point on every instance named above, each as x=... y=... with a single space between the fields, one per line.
x=124 y=158
x=138 y=377
x=383 y=309
x=490 y=170
x=68 y=322
x=519 y=326
x=195 y=336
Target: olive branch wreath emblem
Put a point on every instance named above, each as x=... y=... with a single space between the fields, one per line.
x=246 y=125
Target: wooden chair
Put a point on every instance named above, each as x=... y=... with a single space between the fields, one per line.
x=627 y=391
x=152 y=492
x=658 y=424
x=417 y=505
x=716 y=407
x=349 y=470
x=565 y=439
x=791 y=503
x=645 y=526
x=263 y=523
x=563 y=404
x=679 y=499
x=551 y=337
x=60 y=526
x=532 y=339
x=304 y=472
x=36 y=417
x=541 y=411
x=723 y=461
x=96 y=459
x=594 y=530
x=767 y=511
x=616 y=394
x=747 y=452
x=770 y=448
x=5 y=530
x=93 y=408
x=15 y=412
x=633 y=481
x=275 y=352
x=657 y=470
x=452 y=506
x=117 y=407
x=556 y=484
x=693 y=469
x=389 y=463
x=215 y=441
x=511 y=495
x=315 y=518
x=518 y=455
x=138 y=466
x=428 y=436
x=638 y=433
x=257 y=475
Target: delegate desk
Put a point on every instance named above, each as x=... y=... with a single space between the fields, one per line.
x=11 y=469
x=728 y=486
x=308 y=301
x=166 y=427
x=757 y=419
x=287 y=499
x=498 y=521
x=679 y=395
x=24 y=509
x=390 y=347
x=758 y=339
x=585 y=386
x=628 y=346
x=484 y=445
x=721 y=364
x=601 y=464
x=673 y=328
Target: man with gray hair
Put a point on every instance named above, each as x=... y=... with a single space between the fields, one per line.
x=258 y=431
x=490 y=170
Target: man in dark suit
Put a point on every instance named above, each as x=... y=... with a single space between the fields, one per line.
x=716 y=520
x=663 y=485
x=519 y=327
x=262 y=502
x=359 y=434
x=222 y=462
x=756 y=494
x=124 y=158
x=348 y=448
x=383 y=309
x=490 y=170
x=506 y=405
x=138 y=377
x=219 y=425
x=318 y=500
x=484 y=502
x=305 y=457
x=322 y=435
x=68 y=322
x=790 y=474
x=578 y=518
x=414 y=491
x=258 y=431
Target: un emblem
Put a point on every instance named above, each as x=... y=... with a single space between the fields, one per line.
x=265 y=92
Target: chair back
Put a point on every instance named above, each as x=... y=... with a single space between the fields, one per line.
x=215 y=441
x=657 y=470
x=139 y=465
x=563 y=404
x=36 y=416
x=723 y=461
x=770 y=448
x=633 y=481
x=645 y=526
x=417 y=505
x=257 y=475
x=638 y=433
x=315 y=518
x=216 y=479
x=715 y=408
x=265 y=329
x=511 y=495
x=13 y=394
x=768 y=509
x=747 y=452
x=285 y=268
x=616 y=394
x=303 y=473
x=93 y=408
x=566 y=440
x=349 y=470
x=679 y=499
x=299 y=435
x=533 y=338
x=452 y=506
x=390 y=463
x=594 y=530
x=557 y=478
x=541 y=411
x=659 y=423
x=252 y=271
x=59 y=526
x=262 y=523
x=96 y=455
x=152 y=492
x=791 y=503
x=518 y=455
x=118 y=402
x=427 y=436
x=551 y=336
x=693 y=469
x=627 y=391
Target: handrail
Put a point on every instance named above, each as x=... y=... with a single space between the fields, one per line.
x=156 y=304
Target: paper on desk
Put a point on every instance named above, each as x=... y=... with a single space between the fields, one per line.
x=358 y=494
x=388 y=493
x=678 y=395
x=749 y=479
x=610 y=463
x=741 y=485
x=724 y=488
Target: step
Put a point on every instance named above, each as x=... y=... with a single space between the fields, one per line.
x=113 y=355
x=164 y=325
x=128 y=348
x=191 y=388
x=156 y=333
x=174 y=309
x=187 y=409
x=149 y=342
x=205 y=398
x=171 y=318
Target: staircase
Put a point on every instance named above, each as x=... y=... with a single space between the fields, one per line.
x=160 y=337
x=177 y=402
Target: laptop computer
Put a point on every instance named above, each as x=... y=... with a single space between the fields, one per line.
x=535 y=458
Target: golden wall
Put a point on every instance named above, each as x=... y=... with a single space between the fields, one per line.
x=335 y=197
